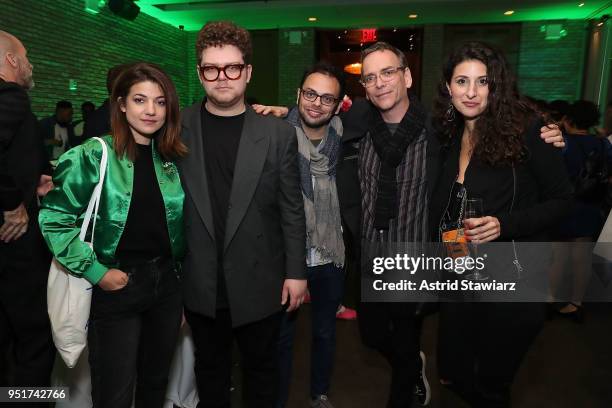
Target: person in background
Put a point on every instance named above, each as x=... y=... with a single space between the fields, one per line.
x=98 y=123
x=57 y=130
x=26 y=348
x=136 y=304
x=584 y=151
x=607 y=130
x=558 y=109
x=87 y=108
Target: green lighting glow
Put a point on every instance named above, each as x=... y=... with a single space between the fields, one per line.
x=290 y=14
x=94 y=6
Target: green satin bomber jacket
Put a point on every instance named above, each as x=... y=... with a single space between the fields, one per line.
x=62 y=210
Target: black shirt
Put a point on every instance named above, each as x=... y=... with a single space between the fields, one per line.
x=146 y=232
x=221 y=138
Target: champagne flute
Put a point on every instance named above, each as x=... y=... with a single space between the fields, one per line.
x=473 y=209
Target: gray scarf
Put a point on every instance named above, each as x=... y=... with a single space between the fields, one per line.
x=318 y=180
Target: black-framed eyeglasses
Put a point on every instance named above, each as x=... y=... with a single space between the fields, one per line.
x=386 y=75
x=311 y=96
x=211 y=73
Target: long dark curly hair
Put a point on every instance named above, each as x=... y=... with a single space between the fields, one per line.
x=499 y=129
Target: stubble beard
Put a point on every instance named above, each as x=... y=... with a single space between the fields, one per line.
x=317 y=124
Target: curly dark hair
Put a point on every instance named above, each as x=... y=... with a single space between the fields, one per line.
x=219 y=33
x=499 y=129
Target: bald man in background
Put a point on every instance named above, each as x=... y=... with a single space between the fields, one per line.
x=26 y=348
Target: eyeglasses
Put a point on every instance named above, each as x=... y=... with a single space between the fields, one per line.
x=385 y=75
x=312 y=96
x=211 y=73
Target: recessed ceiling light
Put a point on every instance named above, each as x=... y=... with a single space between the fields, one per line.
x=312 y=19
x=413 y=16
x=581 y=4
x=600 y=24
x=509 y=12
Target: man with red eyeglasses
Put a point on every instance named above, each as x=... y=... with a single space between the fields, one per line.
x=245 y=226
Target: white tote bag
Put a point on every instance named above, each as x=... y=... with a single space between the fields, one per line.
x=69 y=297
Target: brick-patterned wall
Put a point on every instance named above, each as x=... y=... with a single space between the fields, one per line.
x=195 y=92
x=432 y=59
x=65 y=42
x=293 y=59
x=552 y=69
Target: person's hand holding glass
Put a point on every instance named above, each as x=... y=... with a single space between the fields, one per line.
x=478 y=229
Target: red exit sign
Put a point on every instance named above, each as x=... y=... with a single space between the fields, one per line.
x=368 y=35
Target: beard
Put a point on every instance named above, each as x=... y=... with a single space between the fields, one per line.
x=25 y=75
x=28 y=82
x=314 y=123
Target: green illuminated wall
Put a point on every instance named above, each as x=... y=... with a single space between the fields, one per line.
x=195 y=88
x=552 y=69
x=293 y=60
x=64 y=42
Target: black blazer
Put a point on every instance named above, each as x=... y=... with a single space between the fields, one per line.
x=22 y=154
x=265 y=233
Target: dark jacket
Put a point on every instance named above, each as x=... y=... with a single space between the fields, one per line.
x=98 y=123
x=265 y=229
x=22 y=156
x=46 y=128
x=356 y=124
x=543 y=191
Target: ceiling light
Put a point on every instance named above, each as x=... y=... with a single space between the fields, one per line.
x=509 y=12
x=581 y=4
x=413 y=16
x=312 y=19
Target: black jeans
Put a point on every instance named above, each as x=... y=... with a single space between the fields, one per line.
x=24 y=323
x=257 y=342
x=394 y=330
x=132 y=337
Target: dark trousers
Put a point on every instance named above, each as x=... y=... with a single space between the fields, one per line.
x=257 y=342
x=481 y=346
x=132 y=337
x=394 y=330
x=326 y=286
x=27 y=352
